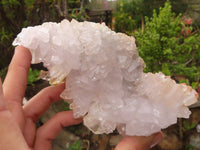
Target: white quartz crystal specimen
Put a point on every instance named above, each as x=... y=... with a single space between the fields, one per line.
x=104 y=78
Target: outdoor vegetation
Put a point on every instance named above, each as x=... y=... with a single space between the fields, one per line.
x=167 y=36
x=168 y=42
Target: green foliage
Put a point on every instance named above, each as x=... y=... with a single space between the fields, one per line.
x=189 y=147
x=165 y=48
x=78 y=10
x=33 y=75
x=65 y=106
x=165 y=69
x=185 y=81
x=16 y=14
x=77 y=129
x=128 y=15
x=74 y=3
x=74 y=129
x=195 y=85
x=4 y=35
x=10 y=2
x=9 y=26
x=76 y=146
x=79 y=16
x=137 y=9
x=124 y=23
x=10 y=7
x=29 y=3
x=187 y=126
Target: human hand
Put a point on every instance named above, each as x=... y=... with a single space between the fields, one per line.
x=139 y=143
x=17 y=122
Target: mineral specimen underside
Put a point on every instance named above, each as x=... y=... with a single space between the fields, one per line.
x=104 y=78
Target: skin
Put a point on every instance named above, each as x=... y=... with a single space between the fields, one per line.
x=17 y=122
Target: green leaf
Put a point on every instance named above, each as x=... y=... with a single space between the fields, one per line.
x=33 y=76
x=185 y=81
x=167 y=51
x=195 y=85
x=187 y=126
x=165 y=69
x=76 y=146
x=189 y=147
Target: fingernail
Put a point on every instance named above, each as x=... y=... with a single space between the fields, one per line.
x=156 y=139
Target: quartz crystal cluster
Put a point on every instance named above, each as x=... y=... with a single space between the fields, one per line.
x=104 y=78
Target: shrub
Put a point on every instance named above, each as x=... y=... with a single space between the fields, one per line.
x=166 y=46
x=124 y=23
x=137 y=9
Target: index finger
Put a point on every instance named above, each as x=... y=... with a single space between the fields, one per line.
x=15 y=83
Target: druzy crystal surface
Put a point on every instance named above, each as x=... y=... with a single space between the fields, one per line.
x=104 y=78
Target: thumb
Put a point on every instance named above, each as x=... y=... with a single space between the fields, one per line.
x=139 y=142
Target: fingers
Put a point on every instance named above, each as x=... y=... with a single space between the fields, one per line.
x=15 y=83
x=51 y=128
x=30 y=132
x=139 y=143
x=2 y=101
x=35 y=107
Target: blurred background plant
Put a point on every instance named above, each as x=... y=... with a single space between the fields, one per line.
x=137 y=10
x=33 y=76
x=170 y=45
x=167 y=41
x=76 y=146
x=16 y=14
